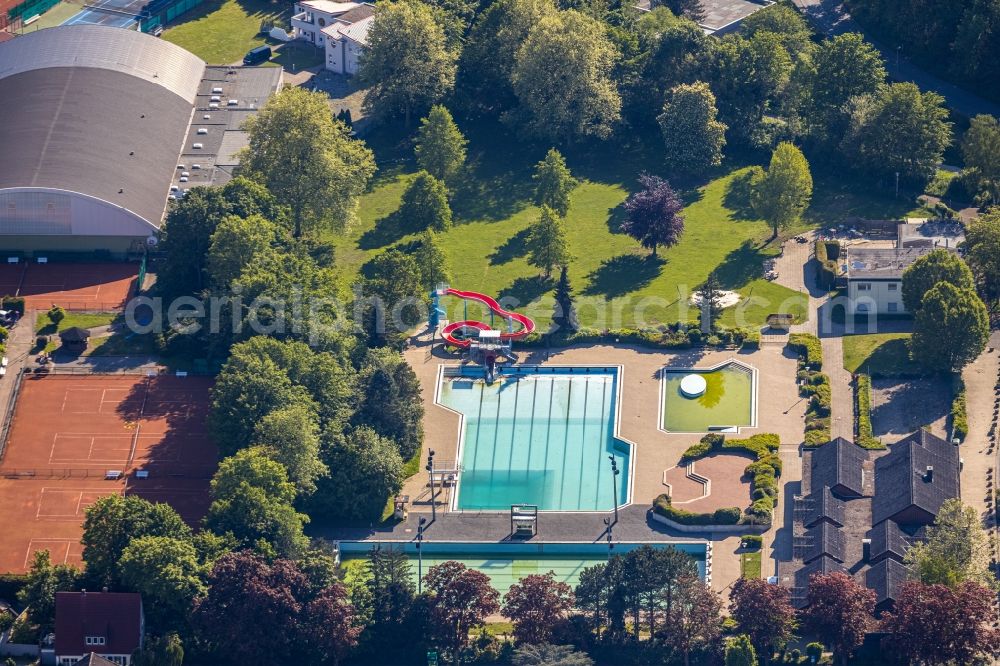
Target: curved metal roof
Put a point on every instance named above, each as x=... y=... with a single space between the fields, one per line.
x=101 y=47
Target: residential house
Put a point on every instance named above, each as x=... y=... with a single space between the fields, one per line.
x=345 y=41
x=837 y=465
x=311 y=17
x=875 y=278
x=109 y=624
x=914 y=479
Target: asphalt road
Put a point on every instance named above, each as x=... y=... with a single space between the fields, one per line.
x=831 y=17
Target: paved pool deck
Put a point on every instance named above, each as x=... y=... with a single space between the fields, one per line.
x=779 y=408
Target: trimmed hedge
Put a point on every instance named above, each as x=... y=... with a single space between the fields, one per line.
x=827 y=253
x=816 y=387
x=763 y=471
x=673 y=336
x=726 y=516
x=864 y=436
x=809 y=349
x=959 y=415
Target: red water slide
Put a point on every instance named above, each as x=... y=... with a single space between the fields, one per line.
x=527 y=325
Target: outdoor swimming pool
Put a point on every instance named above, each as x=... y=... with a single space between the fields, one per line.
x=505 y=564
x=538 y=435
x=727 y=403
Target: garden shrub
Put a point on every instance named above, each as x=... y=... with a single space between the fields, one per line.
x=752 y=541
x=827 y=253
x=759 y=513
x=863 y=433
x=752 y=340
x=726 y=516
x=15 y=303
x=673 y=336
x=959 y=416
x=809 y=349
x=815 y=438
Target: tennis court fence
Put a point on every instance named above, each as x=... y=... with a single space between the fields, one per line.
x=44 y=473
x=8 y=416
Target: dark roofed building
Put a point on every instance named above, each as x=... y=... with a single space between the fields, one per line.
x=885 y=578
x=94 y=659
x=110 y=624
x=889 y=540
x=820 y=566
x=820 y=506
x=837 y=466
x=823 y=539
x=919 y=473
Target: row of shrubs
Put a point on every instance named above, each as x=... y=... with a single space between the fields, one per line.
x=827 y=254
x=15 y=303
x=864 y=435
x=809 y=349
x=763 y=471
x=729 y=515
x=959 y=417
x=675 y=336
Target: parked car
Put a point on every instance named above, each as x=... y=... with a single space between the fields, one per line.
x=257 y=55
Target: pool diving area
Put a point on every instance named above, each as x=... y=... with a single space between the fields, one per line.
x=538 y=435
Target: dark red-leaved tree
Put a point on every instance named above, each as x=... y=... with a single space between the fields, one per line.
x=695 y=620
x=535 y=604
x=461 y=600
x=764 y=613
x=653 y=214
x=839 y=611
x=327 y=627
x=934 y=624
x=246 y=596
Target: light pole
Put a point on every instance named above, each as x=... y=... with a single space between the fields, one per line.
x=607 y=532
x=614 y=484
x=898 y=50
x=430 y=473
x=420 y=554
x=897 y=184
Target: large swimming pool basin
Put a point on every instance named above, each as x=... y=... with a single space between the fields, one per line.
x=505 y=564
x=538 y=435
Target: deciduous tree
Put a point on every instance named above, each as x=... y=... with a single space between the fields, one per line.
x=235 y=243
x=461 y=600
x=782 y=193
x=365 y=471
x=692 y=136
x=547 y=242
x=392 y=403
x=783 y=21
x=695 y=621
x=425 y=204
x=290 y=435
x=950 y=330
x=936 y=624
x=408 y=63
x=328 y=628
x=956 y=549
x=546 y=654
x=307 y=160
x=740 y=652
x=440 y=148
x=981 y=153
x=930 y=269
x=562 y=78
x=982 y=245
x=764 y=613
x=839 y=611
x=41 y=583
x=653 y=214
x=112 y=522
x=553 y=182
x=167 y=650
x=167 y=573
x=535 y=604
x=432 y=260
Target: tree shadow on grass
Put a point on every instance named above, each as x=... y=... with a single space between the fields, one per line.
x=486 y=192
x=737 y=197
x=387 y=230
x=625 y=273
x=742 y=265
x=514 y=247
x=524 y=290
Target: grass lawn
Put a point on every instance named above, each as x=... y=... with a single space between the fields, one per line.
x=44 y=325
x=761 y=298
x=58 y=15
x=121 y=344
x=750 y=564
x=879 y=354
x=222 y=32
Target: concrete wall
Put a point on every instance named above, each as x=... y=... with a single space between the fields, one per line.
x=878 y=296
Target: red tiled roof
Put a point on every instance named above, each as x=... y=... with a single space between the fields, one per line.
x=117 y=616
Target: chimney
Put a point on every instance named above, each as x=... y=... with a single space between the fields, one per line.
x=929 y=474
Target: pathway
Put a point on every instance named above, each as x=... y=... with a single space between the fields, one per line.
x=19 y=343
x=831 y=17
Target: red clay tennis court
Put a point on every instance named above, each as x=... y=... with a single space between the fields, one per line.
x=72 y=286
x=69 y=431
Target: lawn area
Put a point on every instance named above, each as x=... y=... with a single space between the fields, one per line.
x=761 y=298
x=879 y=354
x=750 y=564
x=58 y=15
x=121 y=344
x=44 y=325
x=222 y=32
x=618 y=284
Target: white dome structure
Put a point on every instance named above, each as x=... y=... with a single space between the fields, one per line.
x=693 y=385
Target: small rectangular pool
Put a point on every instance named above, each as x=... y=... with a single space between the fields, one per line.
x=505 y=564
x=727 y=403
x=538 y=435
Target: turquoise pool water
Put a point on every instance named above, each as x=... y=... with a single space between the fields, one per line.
x=539 y=436
x=505 y=564
x=727 y=401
